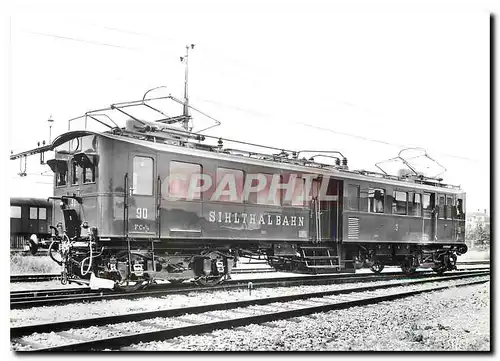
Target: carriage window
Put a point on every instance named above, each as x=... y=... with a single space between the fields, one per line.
x=428 y=204
x=441 y=205
x=15 y=212
x=89 y=174
x=181 y=175
x=230 y=182
x=352 y=197
x=399 y=202
x=33 y=213
x=143 y=176
x=42 y=213
x=74 y=172
x=449 y=207
x=376 y=200
x=414 y=204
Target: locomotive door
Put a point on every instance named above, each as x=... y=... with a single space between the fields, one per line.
x=325 y=206
x=430 y=213
x=141 y=199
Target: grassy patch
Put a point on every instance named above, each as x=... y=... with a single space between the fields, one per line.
x=21 y=264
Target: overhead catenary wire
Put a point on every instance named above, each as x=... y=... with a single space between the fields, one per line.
x=312 y=126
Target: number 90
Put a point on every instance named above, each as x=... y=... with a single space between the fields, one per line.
x=141 y=213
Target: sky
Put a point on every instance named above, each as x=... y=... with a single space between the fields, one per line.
x=365 y=81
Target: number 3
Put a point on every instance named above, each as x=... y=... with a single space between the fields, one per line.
x=141 y=213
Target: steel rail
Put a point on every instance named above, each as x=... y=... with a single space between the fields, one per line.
x=46 y=298
x=34 y=277
x=127 y=339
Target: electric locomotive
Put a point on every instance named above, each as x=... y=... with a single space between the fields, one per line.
x=149 y=201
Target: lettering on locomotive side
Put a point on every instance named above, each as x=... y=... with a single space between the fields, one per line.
x=253 y=218
x=141 y=228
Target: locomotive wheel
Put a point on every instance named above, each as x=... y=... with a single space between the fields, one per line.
x=377 y=267
x=131 y=286
x=177 y=281
x=209 y=281
x=439 y=270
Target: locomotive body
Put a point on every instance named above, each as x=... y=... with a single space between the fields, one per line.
x=129 y=212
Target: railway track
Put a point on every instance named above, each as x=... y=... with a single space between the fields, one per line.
x=51 y=297
x=38 y=277
x=123 y=330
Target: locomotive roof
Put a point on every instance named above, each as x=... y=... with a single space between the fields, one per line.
x=199 y=153
x=35 y=202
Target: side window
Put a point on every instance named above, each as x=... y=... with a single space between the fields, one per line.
x=428 y=203
x=414 y=204
x=263 y=196
x=230 y=181
x=298 y=198
x=441 y=205
x=180 y=176
x=376 y=197
x=42 y=213
x=352 y=197
x=450 y=205
x=33 y=213
x=143 y=176
x=399 y=200
x=74 y=172
x=15 y=212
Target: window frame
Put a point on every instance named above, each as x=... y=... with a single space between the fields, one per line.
x=29 y=216
x=349 y=199
x=253 y=197
x=372 y=199
x=20 y=212
x=395 y=203
x=58 y=172
x=184 y=198
x=134 y=187
x=45 y=216
x=239 y=197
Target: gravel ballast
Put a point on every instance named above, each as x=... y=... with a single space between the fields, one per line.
x=45 y=314
x=456 y=319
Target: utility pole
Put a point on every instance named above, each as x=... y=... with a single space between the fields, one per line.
x=185 y=113
x=50 y=121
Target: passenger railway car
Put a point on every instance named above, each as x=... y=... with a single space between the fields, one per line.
x=28 y=216
x=127 y=211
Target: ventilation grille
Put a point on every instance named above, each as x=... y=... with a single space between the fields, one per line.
x=353 y=232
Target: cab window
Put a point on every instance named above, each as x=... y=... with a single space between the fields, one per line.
x=414 y=204
x=352 y=197
x=74 y=172
x=428 y=202
x=450 y=205
x=441 y=206
x=376 y=198
x=399 y=200
x=143 y=176
x=61 y=174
